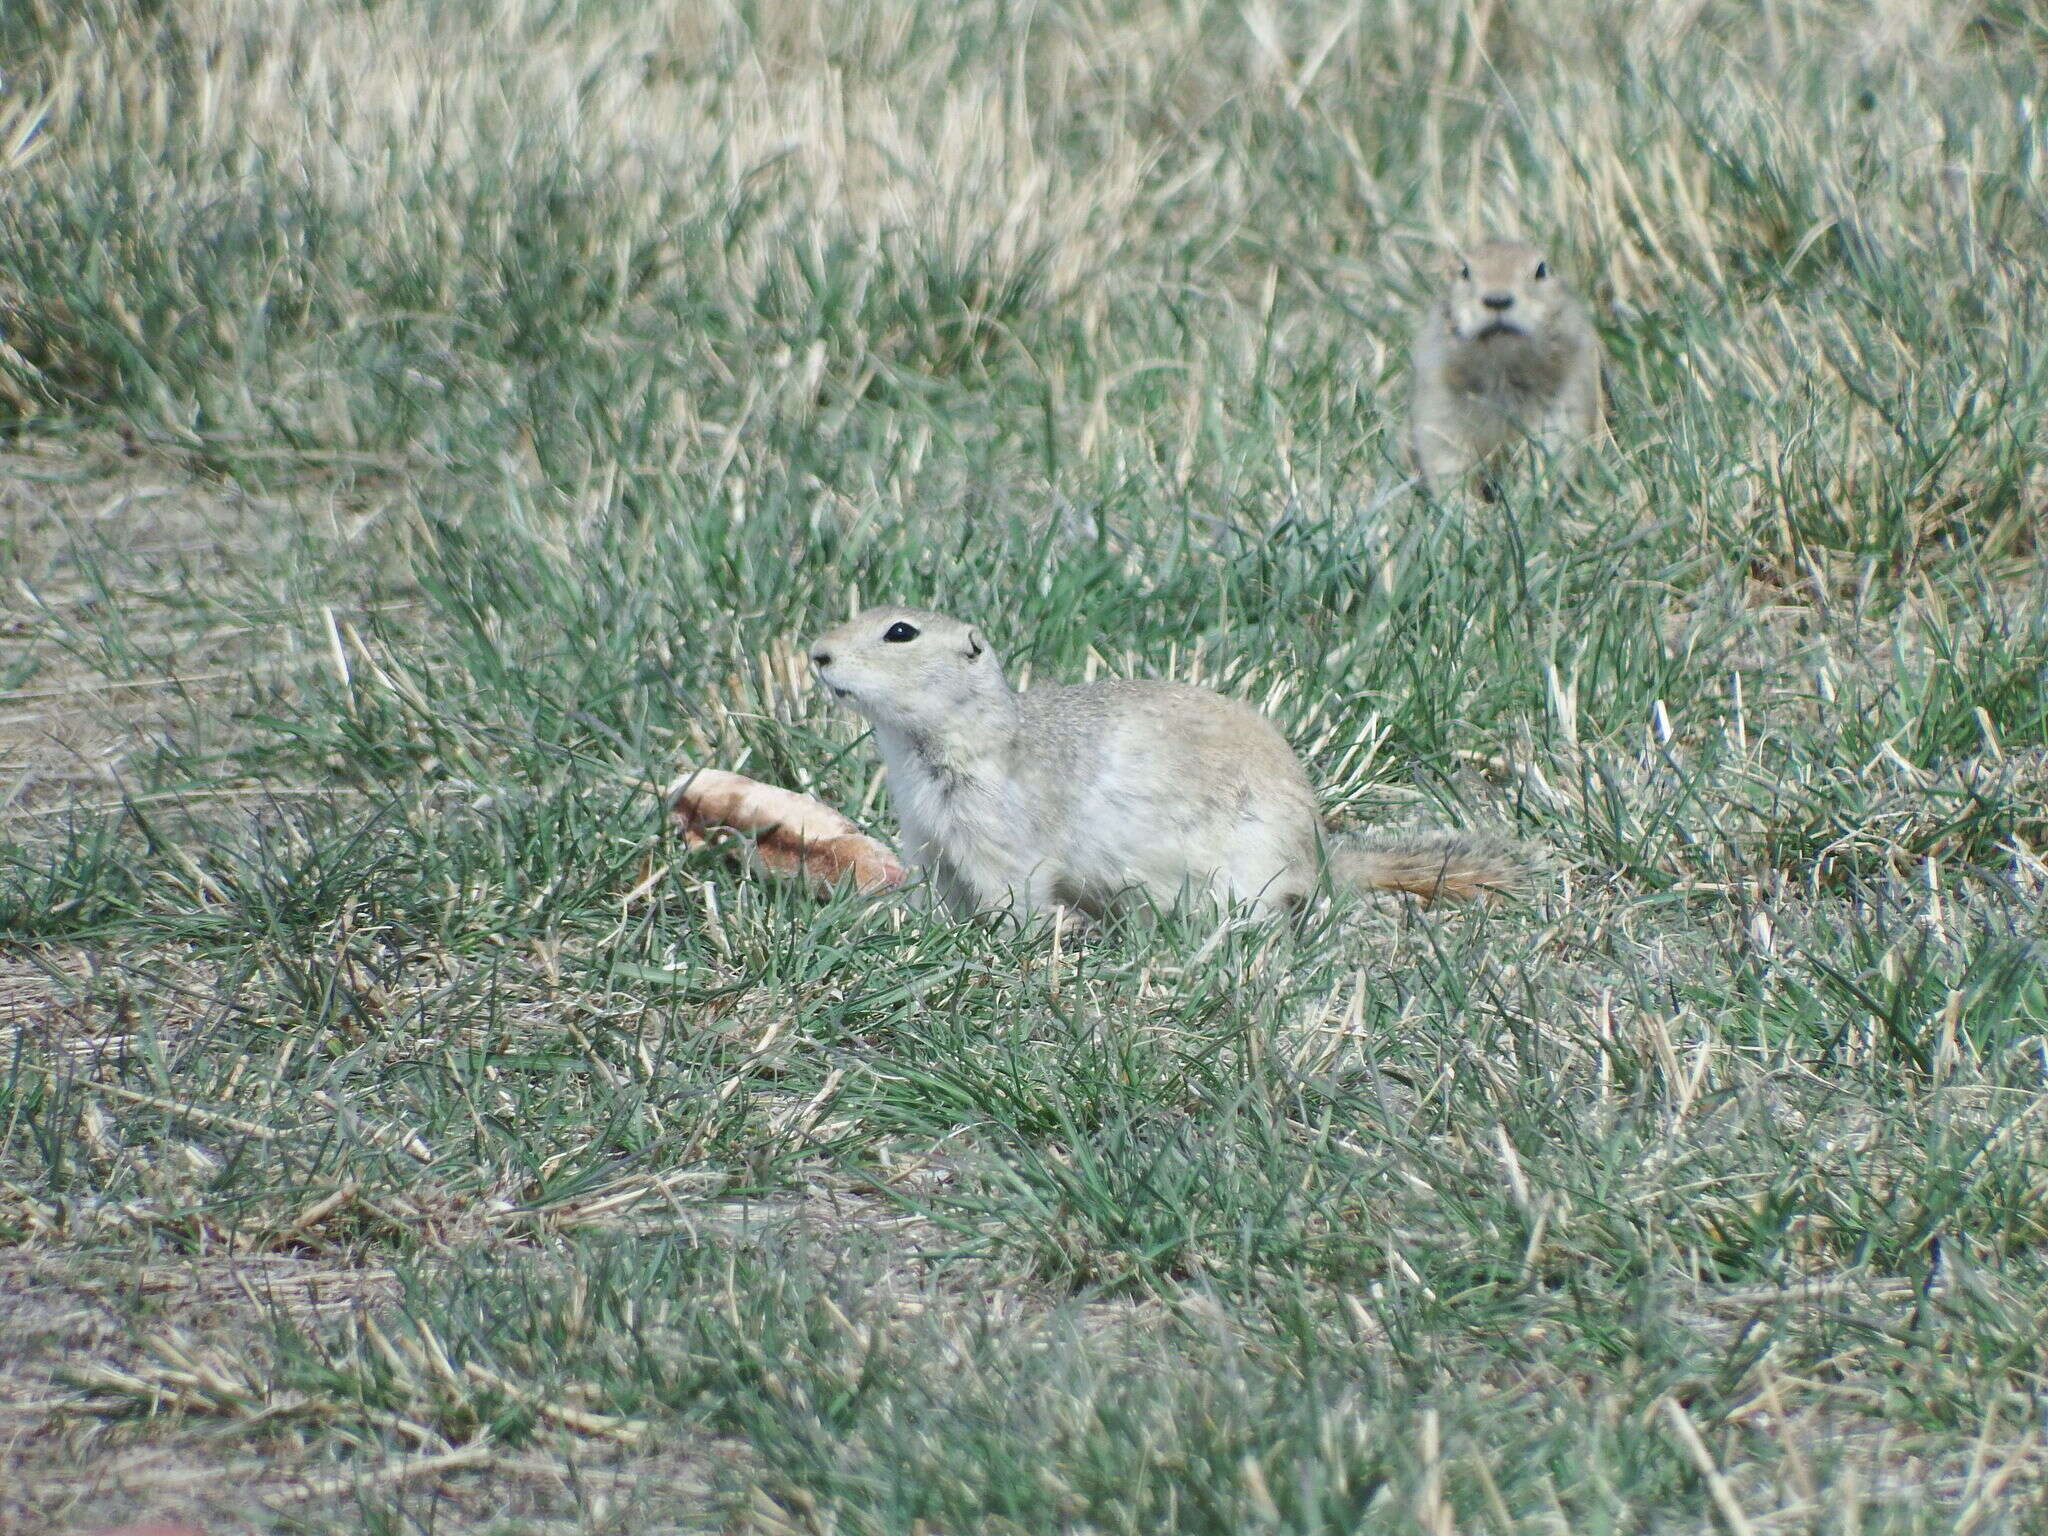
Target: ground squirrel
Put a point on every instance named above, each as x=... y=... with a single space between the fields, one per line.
x=1506 y=352
x=1081 y=797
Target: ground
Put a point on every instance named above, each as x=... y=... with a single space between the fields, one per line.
x=427 y=428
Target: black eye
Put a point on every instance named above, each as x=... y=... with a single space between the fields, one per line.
x=1542 y=270
x=1465 y=274
x=899 y=632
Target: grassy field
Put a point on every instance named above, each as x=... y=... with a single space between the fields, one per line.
x=423 y=427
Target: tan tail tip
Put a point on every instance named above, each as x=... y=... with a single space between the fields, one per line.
x=1434 y=864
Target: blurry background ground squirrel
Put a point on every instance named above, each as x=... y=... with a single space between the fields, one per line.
x=1506 y=352
x=1085 y=796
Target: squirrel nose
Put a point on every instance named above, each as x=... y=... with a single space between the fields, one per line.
x=1499 y=301
x=821 y=658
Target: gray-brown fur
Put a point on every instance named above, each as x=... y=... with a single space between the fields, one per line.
x=1506 y=352
x=1082 y=796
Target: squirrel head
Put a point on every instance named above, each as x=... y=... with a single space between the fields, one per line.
x=1502 y=289
x=909 y=668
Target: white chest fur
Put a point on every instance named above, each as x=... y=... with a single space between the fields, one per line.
x=960 y=820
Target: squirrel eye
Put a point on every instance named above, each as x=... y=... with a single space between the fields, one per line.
x=1542 y=270
x=1465 y=273
x=899 y=632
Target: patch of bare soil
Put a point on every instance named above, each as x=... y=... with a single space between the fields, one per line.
x=73 y=1327
x=131 y=612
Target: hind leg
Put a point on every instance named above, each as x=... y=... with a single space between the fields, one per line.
x=1272 y=866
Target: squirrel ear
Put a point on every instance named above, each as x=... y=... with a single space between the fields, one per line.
x=974 y=646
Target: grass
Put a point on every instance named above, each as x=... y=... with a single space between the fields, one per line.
x=428 y=426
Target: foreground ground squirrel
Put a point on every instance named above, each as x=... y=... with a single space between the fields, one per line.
x=1506 y=352
x=1082 y=797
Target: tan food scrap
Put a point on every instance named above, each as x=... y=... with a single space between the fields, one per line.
x=788 y=833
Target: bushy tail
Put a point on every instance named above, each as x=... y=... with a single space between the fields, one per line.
x=1430 y=863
